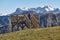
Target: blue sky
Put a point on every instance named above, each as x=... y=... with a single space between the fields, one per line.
x=9 y=6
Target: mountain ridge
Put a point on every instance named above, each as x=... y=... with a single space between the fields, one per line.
x=37 y=10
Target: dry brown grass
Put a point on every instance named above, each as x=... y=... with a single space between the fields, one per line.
x=33 y=34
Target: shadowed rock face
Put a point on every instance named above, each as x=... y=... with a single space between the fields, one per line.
x=4 y=29
x=43 y=20
x=58 y=19
x=49 y=20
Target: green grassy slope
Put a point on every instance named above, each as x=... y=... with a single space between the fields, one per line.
x=33 y=34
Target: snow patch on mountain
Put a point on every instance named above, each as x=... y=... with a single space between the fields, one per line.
x=25 y=8
x=40 y=10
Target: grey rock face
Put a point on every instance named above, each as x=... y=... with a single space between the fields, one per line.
x=50 y=20
x=4 y=24
x=58 y=19
x=4 y=29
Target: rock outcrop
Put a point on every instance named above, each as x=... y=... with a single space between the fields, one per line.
x=49 y=20
x=21 y=22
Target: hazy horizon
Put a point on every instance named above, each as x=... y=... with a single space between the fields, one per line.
x=9 y=6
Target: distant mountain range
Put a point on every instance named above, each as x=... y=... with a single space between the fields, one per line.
x=25 y=11
x=38 y=10
x=50 y=17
